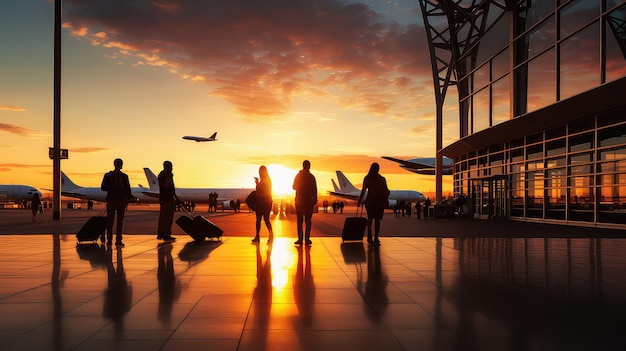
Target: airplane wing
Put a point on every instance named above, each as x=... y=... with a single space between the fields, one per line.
x=409 y=165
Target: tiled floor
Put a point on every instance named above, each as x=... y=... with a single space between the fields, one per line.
x=408 y=294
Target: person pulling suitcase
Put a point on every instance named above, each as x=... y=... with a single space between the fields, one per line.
x=375 y=202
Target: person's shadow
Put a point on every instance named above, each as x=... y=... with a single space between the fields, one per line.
x=304 y=286
x=169 y=287
x=118 y=296
x=375 y=290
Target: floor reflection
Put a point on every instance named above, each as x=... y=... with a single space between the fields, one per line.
x=169 y=287
x=547 y=289
x=304 y=286
x=118 y=296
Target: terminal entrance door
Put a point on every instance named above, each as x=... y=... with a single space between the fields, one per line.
x=488 y=197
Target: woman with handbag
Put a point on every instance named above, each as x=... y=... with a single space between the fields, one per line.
x=263 y=203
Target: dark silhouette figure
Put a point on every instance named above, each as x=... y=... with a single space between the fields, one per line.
x=304 y=286
x=167 y=202
x=426 y=206
x=263 y=203
x=169 y=289
x=305 y=186
x=118 y=296
x=89 y=205
x=117 y=186
x=35 y=206
x=375 y=202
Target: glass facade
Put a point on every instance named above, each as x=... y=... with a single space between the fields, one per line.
x=572 y=171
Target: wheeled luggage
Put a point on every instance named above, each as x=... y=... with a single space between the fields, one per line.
x=198 y=227
x=354 y=227
x=94 y=228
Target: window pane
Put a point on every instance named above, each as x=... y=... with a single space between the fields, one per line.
x=577 y=14
x=501 y=102
x=541 y=38
x=535 y=10
x=615 y=46
x=581 y=142
x=613 y=154
x=580 y=62
x=541 y=81
x=481 y=110
x=612 y=136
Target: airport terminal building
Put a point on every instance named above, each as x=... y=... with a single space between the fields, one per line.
x=539 y=128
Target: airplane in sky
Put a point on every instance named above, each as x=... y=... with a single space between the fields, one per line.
x=200 y=139
x=24 y=192
x=348 y=191
x=225 y=196
x=424 y=165
x=70 y=189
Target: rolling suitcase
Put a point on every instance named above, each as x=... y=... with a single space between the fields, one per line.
x=198 y=227
x=94 y=228
x=354 y=227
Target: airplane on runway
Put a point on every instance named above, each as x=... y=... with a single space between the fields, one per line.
x=348 y=191
x=424 y=165
x=200 y=139
x=227 y=196
x=24 y=192
x=70 y=189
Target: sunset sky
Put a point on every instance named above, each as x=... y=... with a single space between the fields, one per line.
x=338 y=83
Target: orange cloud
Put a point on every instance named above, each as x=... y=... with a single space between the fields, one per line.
x=12 y=108
x=258 y=58
x=21 y=131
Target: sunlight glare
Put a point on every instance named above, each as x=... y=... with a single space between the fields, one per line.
x=282 y=179
x=282 y=259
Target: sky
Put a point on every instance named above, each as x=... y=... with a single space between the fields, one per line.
x=339 y=83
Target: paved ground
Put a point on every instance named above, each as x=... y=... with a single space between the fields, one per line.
x=432 y=285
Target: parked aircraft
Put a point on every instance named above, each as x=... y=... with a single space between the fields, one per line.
x=200 y=139
x=70 y=189
x=348 y=191
x=24 y=192
x=424 y=165
x=226 y=196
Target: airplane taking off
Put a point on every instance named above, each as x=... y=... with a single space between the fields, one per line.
x=424 y=165
x=200 y=139
x=348 y=191
x=24 y=192
x=227 y=196
x=70 y=189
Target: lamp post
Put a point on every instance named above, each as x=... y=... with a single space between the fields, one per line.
x=56 y=159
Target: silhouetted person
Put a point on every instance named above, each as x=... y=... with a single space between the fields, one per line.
x=375 y=202
x=263 y=203
x=305 y=186
x=35 y=205
x=117 y=186
x=167 y=202
x=89 y=205
x=426 y=206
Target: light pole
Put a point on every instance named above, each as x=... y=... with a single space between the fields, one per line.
x=56 y=159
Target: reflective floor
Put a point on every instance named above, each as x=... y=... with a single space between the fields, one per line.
x=408 y=294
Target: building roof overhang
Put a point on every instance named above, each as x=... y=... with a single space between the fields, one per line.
x=604 y=98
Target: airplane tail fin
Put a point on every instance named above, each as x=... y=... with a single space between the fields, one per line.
x=67 y=183
x=335 y=185
x=153 y=181
x=344 y=184
x=213 y=136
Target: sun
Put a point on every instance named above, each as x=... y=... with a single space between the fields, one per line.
x=282 y=179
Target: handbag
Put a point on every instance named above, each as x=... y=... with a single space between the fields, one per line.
x=251 y=201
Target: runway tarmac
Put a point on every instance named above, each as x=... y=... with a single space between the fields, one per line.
x=142 y=219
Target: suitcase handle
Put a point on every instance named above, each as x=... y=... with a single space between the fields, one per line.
x=357 y=211
x=187 y=212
